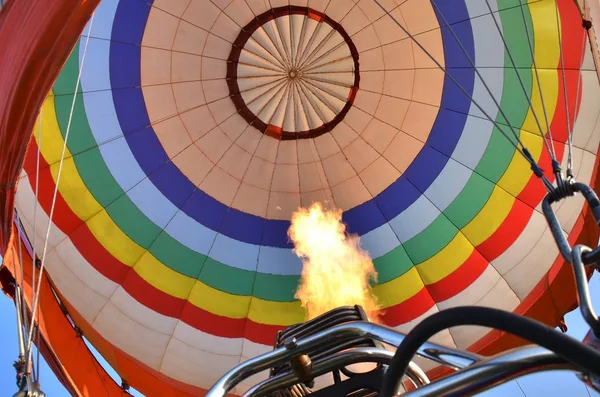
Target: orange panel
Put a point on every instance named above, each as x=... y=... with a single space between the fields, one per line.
x=75 y=361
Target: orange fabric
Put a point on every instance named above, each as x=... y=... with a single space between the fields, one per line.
x=75 y=361
x=53 y=27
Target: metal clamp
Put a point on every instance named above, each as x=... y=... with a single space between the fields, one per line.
x=494 y=371
x=563 y=244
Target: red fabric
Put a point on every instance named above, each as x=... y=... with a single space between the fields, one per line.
x=28 y=72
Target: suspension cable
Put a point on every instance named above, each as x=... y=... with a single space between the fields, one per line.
x=508 y=123
x=523 y=150
x=60 y=165
x=577 y=92
x=537 y=77
x=521 y=83
x=565 y=93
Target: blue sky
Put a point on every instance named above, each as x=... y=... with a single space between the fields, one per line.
x=554 y=383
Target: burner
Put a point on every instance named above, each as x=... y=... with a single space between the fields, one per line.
x=346 y=381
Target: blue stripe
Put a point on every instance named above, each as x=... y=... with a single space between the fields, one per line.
x=130 y=21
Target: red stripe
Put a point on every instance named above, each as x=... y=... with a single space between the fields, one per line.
x=409 y=309
x=510 y=229
x=63 y=217
x=459 y=279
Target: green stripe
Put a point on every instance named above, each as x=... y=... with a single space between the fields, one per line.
x=173 y=254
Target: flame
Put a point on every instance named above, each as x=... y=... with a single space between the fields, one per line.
x=336 y=271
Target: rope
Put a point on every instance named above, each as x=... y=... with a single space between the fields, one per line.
x=537 y=77
x=514 y=65
x=62 y=157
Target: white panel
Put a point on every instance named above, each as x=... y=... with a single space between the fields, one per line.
x=85 y=272
x=194 y=366
x=414 y=219
x=379 y=241
x=588 y=59
x=475 y=291
x=473 y=141
x=527 y=273
x=159 y=211
x=28 y=229
x=522 y=245
x=142 y=314
x=448 y=185
x=499 y=297
x=87 y=302
x=442 y=338
x=588 y=110
x=478 y=8
x=146 y=345
x=25 y=199
x=251 y=349
x=570 y=208
x=206 y=342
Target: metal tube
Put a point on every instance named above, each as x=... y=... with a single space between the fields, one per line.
x=340 y=359
x=21 y=335
x=493 y=371
x=583 y=291
x=20 y=330
x=417 y=375
x=556 y=229
x=334 y=335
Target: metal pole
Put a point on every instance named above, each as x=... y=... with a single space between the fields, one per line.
x=341 y=359
x=493 y=371
x=21 y=336
x=19 y=311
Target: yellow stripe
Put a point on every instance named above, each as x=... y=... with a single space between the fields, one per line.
x=490 y=217
x=79 y=198
x=399 y=289
x=261 y=311
x=76 y=194
x=519 y=172
x=547 y=56
x=447 y=260
x=163 y=277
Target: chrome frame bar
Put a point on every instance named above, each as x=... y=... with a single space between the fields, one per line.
x=583 y=290
x=494 y=371
x=21 y=334
x=556 y=229
x=357 y=355
x=449 y=357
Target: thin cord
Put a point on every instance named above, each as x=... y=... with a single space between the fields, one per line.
x=524 y=152
x=564 y=79
x=570 y=132
x=479 y=74
x=62 y=157
x=514 y=65
x=537 y=78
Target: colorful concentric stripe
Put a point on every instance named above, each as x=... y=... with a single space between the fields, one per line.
x=143 y=224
